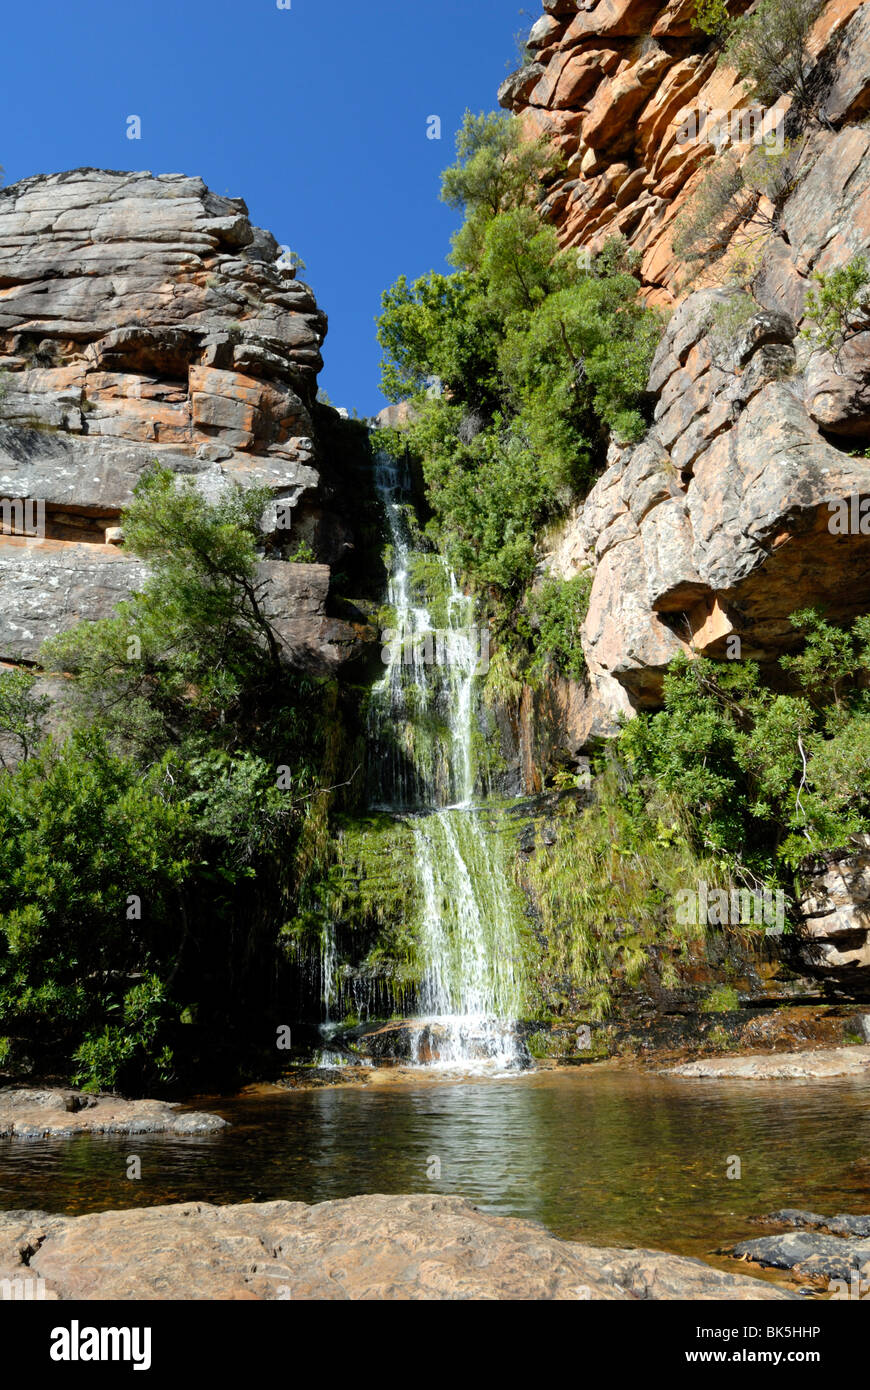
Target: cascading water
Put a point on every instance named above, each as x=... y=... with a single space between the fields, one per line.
x=423 y=767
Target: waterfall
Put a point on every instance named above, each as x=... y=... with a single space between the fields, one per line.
x=422 y=730
x=328 y=983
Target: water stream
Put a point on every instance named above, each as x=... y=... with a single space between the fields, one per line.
x=422 y=733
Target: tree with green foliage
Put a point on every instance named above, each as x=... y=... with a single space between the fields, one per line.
x=150 y=861
x=442 y=326
x=540 y=359
x=496 y=170
x=86 y=841
x=578 y=365
x=194 y=649
x=22 y=716
x=840 y=308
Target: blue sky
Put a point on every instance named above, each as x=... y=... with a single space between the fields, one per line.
x=316 y=115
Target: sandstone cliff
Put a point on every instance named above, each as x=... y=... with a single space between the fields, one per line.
x=145 y=318
x=716 y=525
x=704 y=537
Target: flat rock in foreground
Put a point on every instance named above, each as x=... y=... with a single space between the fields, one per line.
x=834 y=1061
x=373 y=1247
x=59 y=1114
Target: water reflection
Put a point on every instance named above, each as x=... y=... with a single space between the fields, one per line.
x=615 y=1158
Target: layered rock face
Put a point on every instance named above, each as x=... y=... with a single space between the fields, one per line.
x=145 y=318
x=721 y=522
x=613 y=82
x=836 y=913
x=745 y=500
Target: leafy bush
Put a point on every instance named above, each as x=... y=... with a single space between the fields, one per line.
x=560 y=607
x=712 y=18
x=765 y=777
x=22 y=714
x=839 y=308
x=82 y=831
x=147 y=863
x=768 y=47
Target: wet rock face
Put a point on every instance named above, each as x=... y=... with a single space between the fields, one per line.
x=145 y=318
x=381 y=1248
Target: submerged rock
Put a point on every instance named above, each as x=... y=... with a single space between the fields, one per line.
x=839 y=1225
x=373 y=1248
x=55 y=1114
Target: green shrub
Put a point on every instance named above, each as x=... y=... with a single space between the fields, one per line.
x=721 y=1000
x=768 y=47
x=22 y=713
x=765 y=776
x=839 y=308
x=303 y=555
x=561 y=606
x=82 y=831
x=712 y=18
x=148 y=862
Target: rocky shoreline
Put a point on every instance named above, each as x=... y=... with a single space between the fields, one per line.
x=780 y=1066
x=360 y=1248
x=52 y=1114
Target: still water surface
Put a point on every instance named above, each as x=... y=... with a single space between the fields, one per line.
x=605 y=1156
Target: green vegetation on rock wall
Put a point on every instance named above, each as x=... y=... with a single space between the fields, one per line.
x=765 y=776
